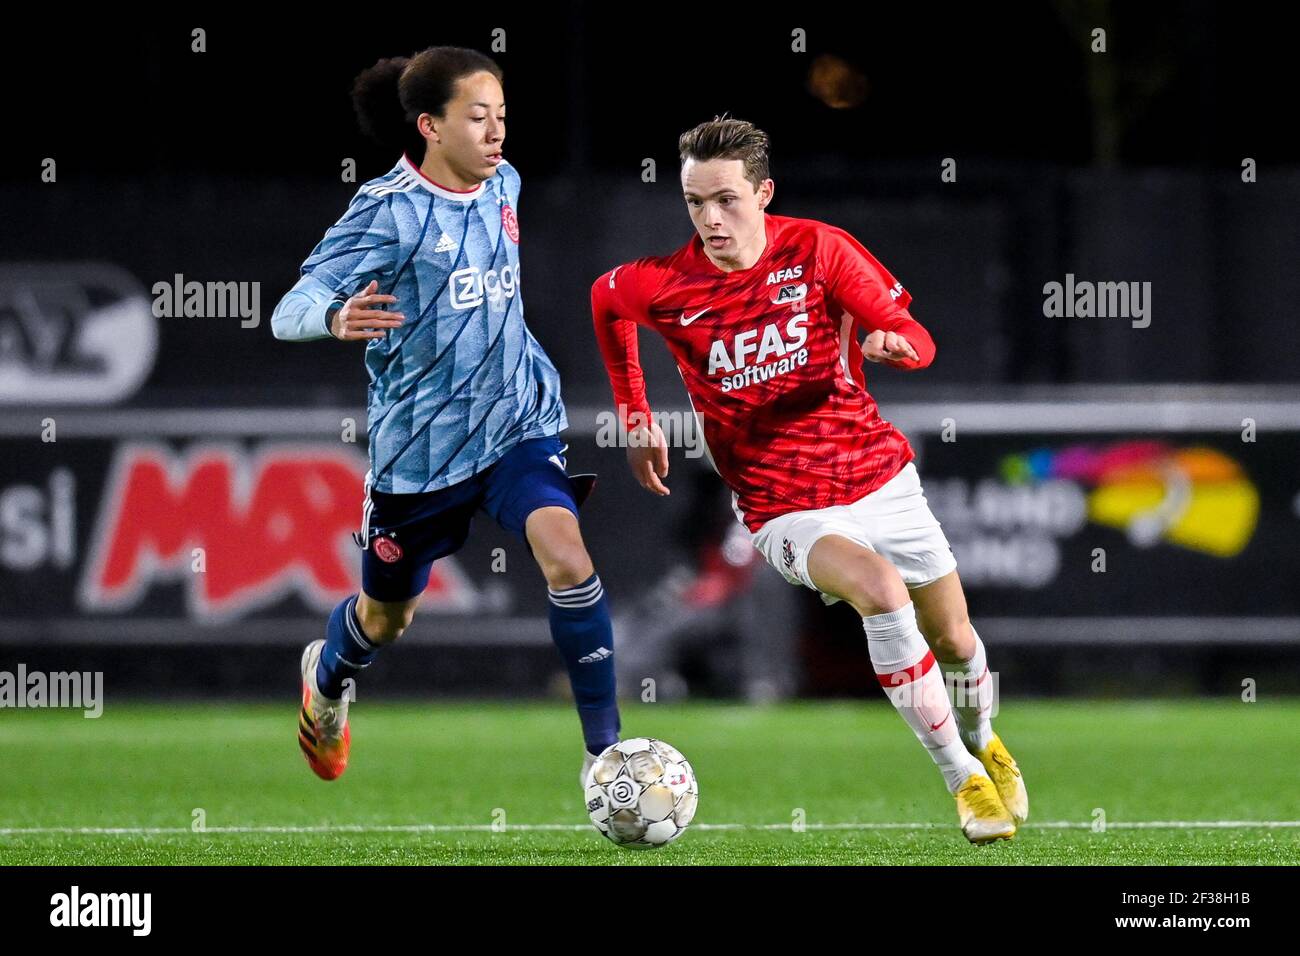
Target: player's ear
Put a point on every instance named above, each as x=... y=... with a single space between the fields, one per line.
x=426 y=123
x=766 y=190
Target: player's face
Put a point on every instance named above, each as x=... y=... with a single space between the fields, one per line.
x=727 y=210
x=469 y=137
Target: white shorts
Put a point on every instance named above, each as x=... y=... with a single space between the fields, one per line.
x=894 y=521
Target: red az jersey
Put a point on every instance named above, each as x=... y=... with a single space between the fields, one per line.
x=771 y=360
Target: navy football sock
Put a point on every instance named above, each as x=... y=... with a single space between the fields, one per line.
x=581 y=629
x=347 y=651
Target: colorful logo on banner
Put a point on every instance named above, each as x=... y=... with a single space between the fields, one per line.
x=1196 y=498
x=243 y=530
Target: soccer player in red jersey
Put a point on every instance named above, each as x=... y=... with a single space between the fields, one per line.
x=763 y=315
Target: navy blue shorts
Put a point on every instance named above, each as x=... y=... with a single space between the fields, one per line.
x=405 y=534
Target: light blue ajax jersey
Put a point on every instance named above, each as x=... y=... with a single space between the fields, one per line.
x=462 y=381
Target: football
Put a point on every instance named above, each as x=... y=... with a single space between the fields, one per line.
x=641 y=793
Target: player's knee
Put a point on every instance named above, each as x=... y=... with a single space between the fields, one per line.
x=876 y=588
x=951 y=638
x=565 y=566
x=558 y=548
x=384 y=625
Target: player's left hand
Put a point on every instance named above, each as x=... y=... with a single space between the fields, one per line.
x=882 y=346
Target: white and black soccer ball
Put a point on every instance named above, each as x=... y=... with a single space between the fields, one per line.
x=641 y=793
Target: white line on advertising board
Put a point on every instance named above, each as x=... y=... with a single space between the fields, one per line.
x=519 y=631
x=998 y=417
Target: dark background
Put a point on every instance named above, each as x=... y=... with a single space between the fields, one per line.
x=1123 y=166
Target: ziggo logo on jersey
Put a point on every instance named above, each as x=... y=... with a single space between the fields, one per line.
x=469 y=286
x=734 y=357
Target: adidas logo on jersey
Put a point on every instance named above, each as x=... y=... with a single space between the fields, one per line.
x=599 y=654
x=445 y=244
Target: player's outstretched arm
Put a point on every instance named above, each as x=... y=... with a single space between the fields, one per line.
x=877 y=302
x=647 y=449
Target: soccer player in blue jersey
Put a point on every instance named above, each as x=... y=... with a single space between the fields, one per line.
x=464 y=406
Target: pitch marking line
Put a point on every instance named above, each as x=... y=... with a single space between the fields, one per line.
x=577 y=827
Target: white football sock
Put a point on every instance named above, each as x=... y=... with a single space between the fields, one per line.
x=905 y=668
x=972 y=696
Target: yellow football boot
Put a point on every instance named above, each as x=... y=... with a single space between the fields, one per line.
x=983 y=816
x=1005 y=774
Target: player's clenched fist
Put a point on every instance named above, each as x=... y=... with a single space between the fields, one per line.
x=361 y=317
x=647 y=456
x=882 y=346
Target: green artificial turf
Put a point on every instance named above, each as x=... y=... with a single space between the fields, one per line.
x=149 y=767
